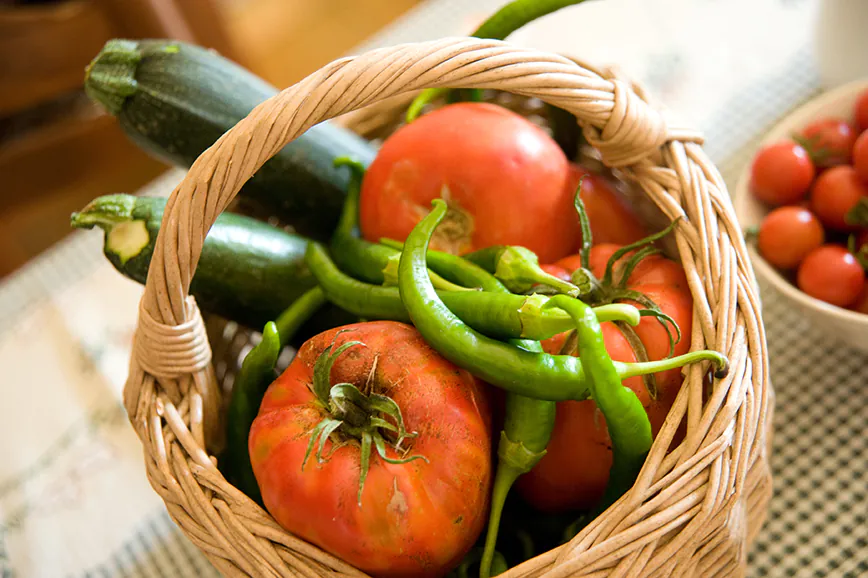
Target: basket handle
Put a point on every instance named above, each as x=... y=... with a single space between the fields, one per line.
x=170 y=343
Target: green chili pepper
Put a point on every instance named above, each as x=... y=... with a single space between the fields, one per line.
x=363 y=259
x=537 y=375
x=626 y=418
x=517 y=268
x=498 y=26
x=253 y=378
x=500 y=315
x=528 y=422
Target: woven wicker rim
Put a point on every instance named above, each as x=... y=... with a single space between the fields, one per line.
x=692 y=512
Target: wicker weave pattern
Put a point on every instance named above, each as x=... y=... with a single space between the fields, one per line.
x=692 y=511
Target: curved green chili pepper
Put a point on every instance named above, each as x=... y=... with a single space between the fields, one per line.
x=363 y=259
x=500 y=315
x=253 y=378
x=517 y=268
x=526 y=433
x=626 y=419
x=497 y=27
x=359 y=258
x=528 y=422
x=537 y=375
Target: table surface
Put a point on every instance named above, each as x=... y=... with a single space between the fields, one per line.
x=74 y=500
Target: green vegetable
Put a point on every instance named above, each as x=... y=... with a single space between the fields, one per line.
x=251 y=382
x=537 y=375
x=518 y=268
x=362 y=259
x=528 y=422
x=626 y=419
x=249 y=271
x=174 y=100
x=498 y=26
x=501 y=315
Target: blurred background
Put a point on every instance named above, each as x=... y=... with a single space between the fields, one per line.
x=58 y=150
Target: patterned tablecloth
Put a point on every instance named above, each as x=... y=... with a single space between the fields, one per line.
x=74 y=500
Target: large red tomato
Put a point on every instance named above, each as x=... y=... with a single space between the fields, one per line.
x=575 y=470
x=415 y=519
x=504 y=179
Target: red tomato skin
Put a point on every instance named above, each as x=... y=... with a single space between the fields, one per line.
x=861 y=304
x=416 y=519
x=610 y=216
x=860 y=111
x=831 y=274
x=860 y=156
x=504 y=178
x=781 y=173
x=830 y=139
x=787 y=235
x=557 y=271
x=678 y=304
x=835 y=192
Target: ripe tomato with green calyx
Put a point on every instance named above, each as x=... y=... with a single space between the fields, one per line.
x=837 y=197
x=377 y=449
x=828 y=141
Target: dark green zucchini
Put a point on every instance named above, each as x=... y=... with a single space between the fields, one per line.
x=174 y=100
x=249 y=271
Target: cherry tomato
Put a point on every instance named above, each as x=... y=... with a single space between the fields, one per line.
x=782 y=173
x=836 y=191
x=860 y=156
x=610 y=216
x=831 y=274
x=504 y=179
x=415 y=519
x=829 y=141
x=861 y=111
x=787 y=234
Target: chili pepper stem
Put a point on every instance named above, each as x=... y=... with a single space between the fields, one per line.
x=514 y=459
x=626 y=370
x=518 y=268
x=589 y=287
x=618 y=312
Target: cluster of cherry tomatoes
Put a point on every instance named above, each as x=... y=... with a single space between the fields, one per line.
x=817 y=232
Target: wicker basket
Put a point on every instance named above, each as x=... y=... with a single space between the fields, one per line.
x=692 y=512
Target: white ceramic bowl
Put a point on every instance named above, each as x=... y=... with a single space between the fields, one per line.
x=849 y=327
